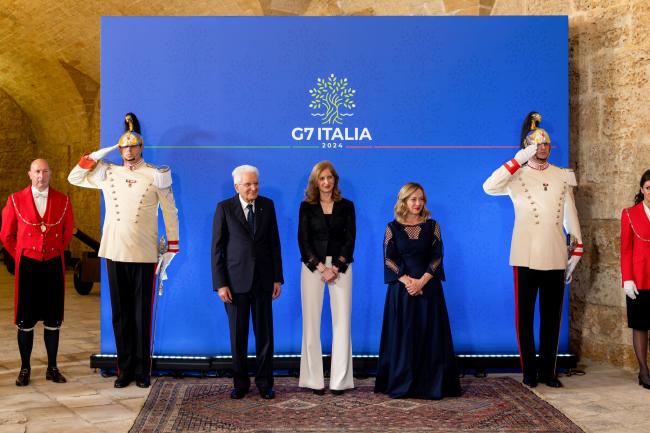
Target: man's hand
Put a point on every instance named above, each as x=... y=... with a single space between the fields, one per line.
x=101 y=153
x=630 y=289
x=224 y=294
x=525 y=154
x=277 y=289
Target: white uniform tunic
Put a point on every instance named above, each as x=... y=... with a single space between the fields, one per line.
x=544 y=204
x=131 y=197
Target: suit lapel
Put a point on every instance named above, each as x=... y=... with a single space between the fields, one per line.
x=239 y=212
x=260 y=214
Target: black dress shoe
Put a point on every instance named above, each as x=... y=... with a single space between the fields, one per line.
x=642 y=382
x=54 y=375
x=553 y=382
x=123 y=381
x=530 y=381
x=237 y=394
x=267 y=394
x=319 y=391
x=23 y=377
x=143 y=381
x=337 y=391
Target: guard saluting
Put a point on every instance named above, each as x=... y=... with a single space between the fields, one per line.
x=37 y=226
x=543 y=199
x=132 y=193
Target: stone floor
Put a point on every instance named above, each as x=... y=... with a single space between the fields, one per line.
x=606 y=399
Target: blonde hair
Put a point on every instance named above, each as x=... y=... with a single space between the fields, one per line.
x=401 y=210
x=312 y=194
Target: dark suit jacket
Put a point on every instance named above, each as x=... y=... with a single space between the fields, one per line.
x=237 y=254
x=314 y=236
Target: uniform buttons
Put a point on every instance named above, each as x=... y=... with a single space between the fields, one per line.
x=536 y=215
x=118 y=219
x=525 y=190
x=117 y=205
x=117 y=212
x=534 y=209
x=528 y=196
x=56 y=235
x=29 y=234
x=114 y=198
x=536 y=222
x=33 y=248
x=112 y=186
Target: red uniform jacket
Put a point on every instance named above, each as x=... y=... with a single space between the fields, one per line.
x=22 y=233
x=635 y=246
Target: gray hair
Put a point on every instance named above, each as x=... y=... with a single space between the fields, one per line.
x=238 y=171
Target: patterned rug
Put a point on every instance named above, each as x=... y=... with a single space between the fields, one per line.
x=494 y=404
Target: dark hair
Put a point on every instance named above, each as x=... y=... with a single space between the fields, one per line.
x=525 y=128
x=136 y=123
x=638 y=198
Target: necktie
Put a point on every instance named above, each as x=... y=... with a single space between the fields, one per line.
x=251 y=218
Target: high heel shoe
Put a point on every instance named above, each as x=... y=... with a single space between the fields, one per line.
x=646 y=385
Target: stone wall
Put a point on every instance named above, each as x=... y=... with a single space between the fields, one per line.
x=17 y=147
x=49 y=65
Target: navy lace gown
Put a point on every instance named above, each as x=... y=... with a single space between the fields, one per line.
x=416 y=354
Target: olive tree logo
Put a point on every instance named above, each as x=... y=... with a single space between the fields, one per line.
x=332 y=95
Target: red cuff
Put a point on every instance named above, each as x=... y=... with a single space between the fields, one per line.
x=579 y=250
x=172 y=247
x=87 y=163
x=512 y=166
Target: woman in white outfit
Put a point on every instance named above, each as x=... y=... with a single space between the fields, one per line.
x=326 y=234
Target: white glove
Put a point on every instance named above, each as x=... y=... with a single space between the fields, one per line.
x=525 y=154
x=630 y=289
x=570 y=266
x=165 y=260
x=99 y=154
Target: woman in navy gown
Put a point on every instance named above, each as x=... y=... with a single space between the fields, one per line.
x=416 y=354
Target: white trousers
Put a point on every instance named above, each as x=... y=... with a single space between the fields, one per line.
x=312 y=290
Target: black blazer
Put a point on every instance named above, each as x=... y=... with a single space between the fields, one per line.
x=238 y=254
x=314 y=236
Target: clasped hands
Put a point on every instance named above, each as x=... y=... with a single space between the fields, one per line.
x=329 y=275
x=413 y=286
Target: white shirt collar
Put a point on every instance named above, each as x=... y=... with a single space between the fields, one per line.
x=244 y=203
x=46 y=191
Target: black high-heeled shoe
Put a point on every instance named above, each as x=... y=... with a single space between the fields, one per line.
x=646 y=385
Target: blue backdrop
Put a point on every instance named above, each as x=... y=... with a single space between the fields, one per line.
x=438 y=100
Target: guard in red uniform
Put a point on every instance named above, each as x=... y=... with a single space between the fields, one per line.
x=37 y=226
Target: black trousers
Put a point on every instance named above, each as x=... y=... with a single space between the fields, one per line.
x=40 y=293
x=131 y=287
x=550 y=285
x=258 y=303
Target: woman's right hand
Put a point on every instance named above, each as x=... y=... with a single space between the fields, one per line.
x=328 y=275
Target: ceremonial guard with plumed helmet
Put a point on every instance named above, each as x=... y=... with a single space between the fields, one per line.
x=542 y=195
x=132 y=191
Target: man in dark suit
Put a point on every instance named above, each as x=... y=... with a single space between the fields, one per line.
x=247 y=275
